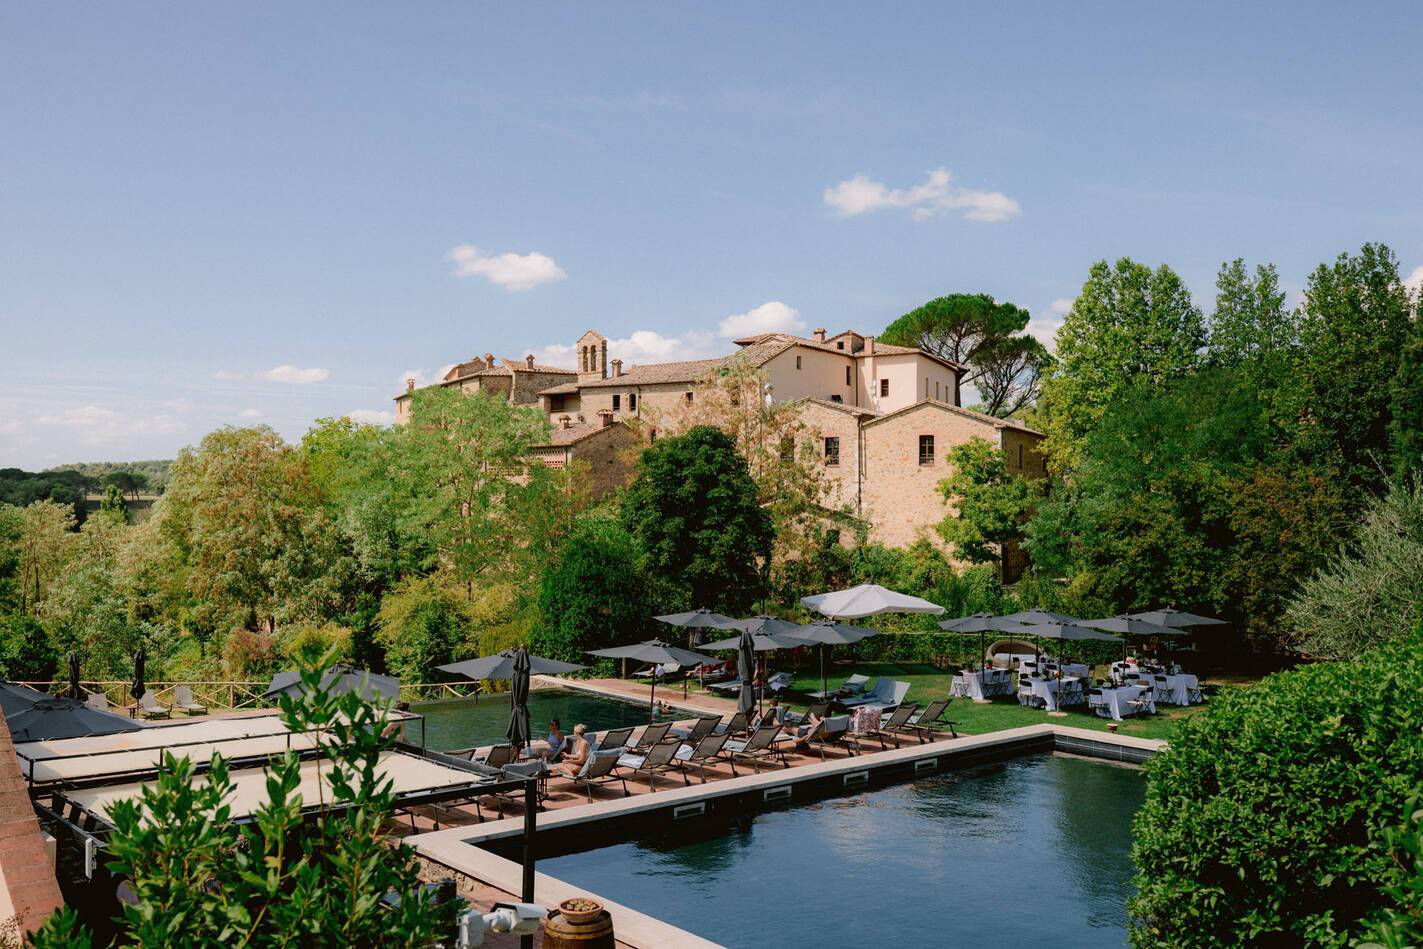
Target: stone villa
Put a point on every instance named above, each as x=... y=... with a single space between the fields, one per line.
x=886 y=415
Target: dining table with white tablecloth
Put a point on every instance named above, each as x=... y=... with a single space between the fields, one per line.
x=1118 y=700
x=1045 y=665
x=1056 y=692
x=1177 y=688
x=981 y=684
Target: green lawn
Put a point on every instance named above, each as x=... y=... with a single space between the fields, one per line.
x=927 y=683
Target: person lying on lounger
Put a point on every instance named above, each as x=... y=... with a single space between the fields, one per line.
x=573 y=763
x=799 y=737
x=773 y=713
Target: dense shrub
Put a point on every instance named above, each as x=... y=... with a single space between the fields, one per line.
x=594 y=595
x=1265 y=821
x=26 y=653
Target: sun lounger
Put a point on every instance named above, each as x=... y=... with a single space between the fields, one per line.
x=736 y=726
x=928 y=721
x=761 y=745
x=652 y=735
x=892 y=722
x=600 y=768
x=669 y=671
x=730 y=685
x=500 y=755
x=657 y=758
x=850 y=688
x=98 y=701
x=779 y=682
x=699 y=754
x=151 y=707
x=818 y=710
x=615 y=738
x=700 y=729
x=835 y=733
x=886 y=693
x=183 y=701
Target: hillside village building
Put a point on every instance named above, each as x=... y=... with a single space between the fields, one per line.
x=886 y=416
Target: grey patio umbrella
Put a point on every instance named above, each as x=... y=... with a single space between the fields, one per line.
x=760 y=642
x=73 y=691
x=826 y=633
x=867 y=599
x=764 y=624
x=1177 y=619
x=1132 y=626
x=15 y=697
x=339 y=679
x=140 y=663
x=1039 y=615
x=53 y=718
x=501 y=666
x=746 y=663
x=982 y=623
x=518 y=733
x=701 y=618
x=657 y=652
x=1069 y=632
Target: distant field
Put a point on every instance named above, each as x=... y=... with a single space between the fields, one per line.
x=140 y=507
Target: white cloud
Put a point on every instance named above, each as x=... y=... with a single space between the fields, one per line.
x=639 y=347
x=371 y=417
x=937 y=195
x=1062 y=305
x=84 y=416
x=250 y=413
x=226 y=375
x=295 y=375
x=771 y=317
x=1414 y=281
x=510 y=271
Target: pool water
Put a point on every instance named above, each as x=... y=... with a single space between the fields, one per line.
x=465 y=723
x=1034 y=851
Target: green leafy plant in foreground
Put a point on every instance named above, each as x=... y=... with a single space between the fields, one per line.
x=1268 y=821
x=301 y=873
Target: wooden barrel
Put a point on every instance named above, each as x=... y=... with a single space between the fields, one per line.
x=560 y=933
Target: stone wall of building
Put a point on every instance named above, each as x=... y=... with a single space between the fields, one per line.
x=829 y=422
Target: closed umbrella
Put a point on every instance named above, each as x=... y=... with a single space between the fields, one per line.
x=140 y=662
x=1177 y=619
x=982 y=623
x=339 y=679
x=867 y=599
x=74 y=692
x=826 y=633
x=657 y=652
x=52 y=718
x=501 y=666
x=518 y=732
x=746 y=662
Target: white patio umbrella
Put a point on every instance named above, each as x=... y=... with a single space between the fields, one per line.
x=867 y=599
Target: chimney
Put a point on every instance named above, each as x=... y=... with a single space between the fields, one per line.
x=565 y=422
x=617 y=368
x=870 y=345
x=488 y=360
x=605 y=416
x=409 y=385
x=819 y=334
x=529 y=360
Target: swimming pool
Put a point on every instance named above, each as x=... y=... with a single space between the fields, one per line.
x=465 y=723
x=1028 y=851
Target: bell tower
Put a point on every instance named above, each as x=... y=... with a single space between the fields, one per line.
x=592 y=349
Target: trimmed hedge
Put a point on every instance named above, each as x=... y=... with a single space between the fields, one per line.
x=1266 y=821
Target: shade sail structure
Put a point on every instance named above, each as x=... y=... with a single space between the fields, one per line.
x=15 y=697
x=1132 y=626
x=760 y=642
x=1177 y=619
x=981 y=624
x=54 y=718
x=501 y=666
x=867 y=599
x=764 y=624
x=339 y=679
x=654 y=651
x=1039 y=616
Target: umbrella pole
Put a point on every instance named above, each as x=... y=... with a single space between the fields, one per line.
x=651 y=698
x=824 y=686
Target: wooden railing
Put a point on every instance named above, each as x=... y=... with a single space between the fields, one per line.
x=237 y=695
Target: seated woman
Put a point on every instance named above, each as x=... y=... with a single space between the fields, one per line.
x=773 y=714
x=578 y=757
x=556 y=741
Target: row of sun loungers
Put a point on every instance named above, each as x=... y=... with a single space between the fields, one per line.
x=149 y=705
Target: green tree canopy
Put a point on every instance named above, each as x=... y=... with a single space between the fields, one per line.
x=1250 y=319
x=594 y=594
x=694 y=509
x=979 y=331
x=1130 y=325
x=991 y=503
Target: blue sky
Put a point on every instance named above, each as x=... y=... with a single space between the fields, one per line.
x=237 y=213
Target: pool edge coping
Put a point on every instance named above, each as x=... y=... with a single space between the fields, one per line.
x=458 y=848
